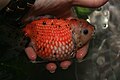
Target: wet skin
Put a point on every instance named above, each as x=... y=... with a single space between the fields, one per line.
x=58 y=39
x=60 y=9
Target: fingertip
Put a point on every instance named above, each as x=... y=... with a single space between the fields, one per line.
x=65 y=64
x=31 y=53
x=51 y=67
x=82 y=52
x=89 y=3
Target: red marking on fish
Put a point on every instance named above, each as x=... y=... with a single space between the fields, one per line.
x=58 y=39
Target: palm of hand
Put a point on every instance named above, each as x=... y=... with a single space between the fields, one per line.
x=60 y=9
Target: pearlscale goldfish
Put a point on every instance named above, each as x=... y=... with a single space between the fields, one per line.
x=58 y=39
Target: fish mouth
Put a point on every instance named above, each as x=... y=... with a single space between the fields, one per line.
x=93 y=28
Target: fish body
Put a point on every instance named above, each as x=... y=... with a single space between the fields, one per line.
x=58 y=39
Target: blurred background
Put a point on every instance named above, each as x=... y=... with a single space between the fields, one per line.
x=101 y=63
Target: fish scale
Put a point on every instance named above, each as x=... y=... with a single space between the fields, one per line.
x=53 y=38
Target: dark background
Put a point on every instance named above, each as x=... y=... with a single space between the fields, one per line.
x=99 y=64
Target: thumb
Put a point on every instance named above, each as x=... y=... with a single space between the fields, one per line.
x=89 y=3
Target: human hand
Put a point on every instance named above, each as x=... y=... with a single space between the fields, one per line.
x=59 y=9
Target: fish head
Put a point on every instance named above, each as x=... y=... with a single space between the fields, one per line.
x=82 y=32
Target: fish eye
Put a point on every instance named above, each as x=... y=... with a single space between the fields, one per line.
x=85 y=31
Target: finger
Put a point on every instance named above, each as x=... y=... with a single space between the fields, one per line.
x=31 y=53
x=89 y=3
x=82 y=52
x=65 y=64
x=51 y=67
x=59 y=8
x=58 y=14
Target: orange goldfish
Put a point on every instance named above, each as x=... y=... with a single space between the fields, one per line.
x=58 y=39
